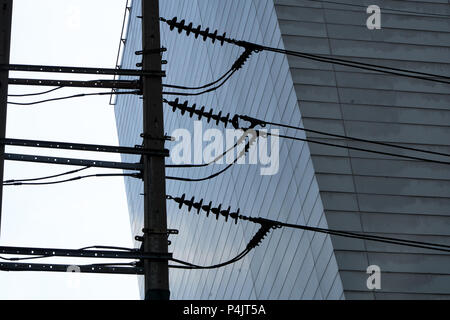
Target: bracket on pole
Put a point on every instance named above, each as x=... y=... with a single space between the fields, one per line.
x=151 y=51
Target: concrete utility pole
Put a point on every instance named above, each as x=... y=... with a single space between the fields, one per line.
x=155 y=216
x=5 y=40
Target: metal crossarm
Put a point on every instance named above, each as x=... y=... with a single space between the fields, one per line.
x=73 y=162
x=84 y=253
x=9 y=266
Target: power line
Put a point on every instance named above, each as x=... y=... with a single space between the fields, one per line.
x=240 y=155
x=35 y=94
x=200 y=179
x=200 y=87
x=72 y=96
x=187 y=265
x=184 y=108
x=202 y=92
x=256 y=47
x=364 y=66
x=238 y=64
x=355 y=148
x=407 y=12
x=273 y=224
x=134 y=175
x=45 y=178
x=349 y=137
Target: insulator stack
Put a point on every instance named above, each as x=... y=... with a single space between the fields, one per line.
x=208 y=209
x=197 y=31
x=259 y=236
x=184 y=107
x=242 y=59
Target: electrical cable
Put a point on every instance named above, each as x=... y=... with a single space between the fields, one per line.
x=255 y=47
x=35 y=94
x=407 y=12
x=242 y=153
x=364 y=66
x=350 y=138
x=198 y=88
x=238 y=64
x=267 y=225
x=239 y=141
x=201 y=179
x=410 y=243
x=202 y=92
x=188 y=265
x=108 y=247
x=185 y=109
x=47 y=177
x=134 y=175
x=356 y=148
x=72 y=96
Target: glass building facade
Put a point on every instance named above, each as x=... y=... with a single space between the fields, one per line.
x=315 y=185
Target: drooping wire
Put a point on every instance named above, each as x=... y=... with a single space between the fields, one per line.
x=47 y=177
x=252 y=244
x=109 y=248
x=256 y=47
x=240 y=155
x=407 y=12
x=201 y=92
x=35 y=94
x=346 y=137
x=364 y=66
x=187 y=265
x=200 y=87
x=72 y=96
x=100 y=175
x=277 y=224
x=238 y=64
x=191 y=110
x=355 y=148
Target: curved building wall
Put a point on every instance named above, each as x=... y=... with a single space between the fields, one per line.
x=289 y=264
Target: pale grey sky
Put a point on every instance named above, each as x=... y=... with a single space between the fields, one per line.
x=76 y=214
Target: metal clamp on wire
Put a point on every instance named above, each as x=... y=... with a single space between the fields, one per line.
x=151 y=51
x=150 y=137
x=146 y=231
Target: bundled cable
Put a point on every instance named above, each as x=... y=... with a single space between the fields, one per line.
x=100 y=175
x=254 y=122
x=257 y=48
x=73 y=96
x=236 y=66
x=267 y=225
x=252 y=140
x=35 y=94
x=46 y=177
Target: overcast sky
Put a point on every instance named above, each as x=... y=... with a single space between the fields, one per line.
x=76 y=214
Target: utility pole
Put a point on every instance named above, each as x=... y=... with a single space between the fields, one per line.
x=5 y=40
x=155 y=216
